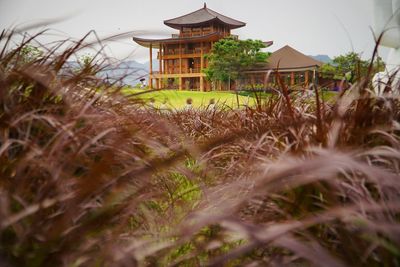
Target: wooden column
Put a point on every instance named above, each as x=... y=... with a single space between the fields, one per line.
x=292 y=78
x=159 y=59
x=306 y=78
x=160 y=66
x=201 y=68
x=151 y=67
x=180 y=66
x=163 y=60
x=265 y=80
x=314 y=77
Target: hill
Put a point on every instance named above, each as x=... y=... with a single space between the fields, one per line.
x=129 y=72
x=322 y=58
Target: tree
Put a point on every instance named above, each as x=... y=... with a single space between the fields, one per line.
x=350 y=67
x=26 y=54
x=85 y=61
x=88 y=65
x=30 y=53
x=229 y=57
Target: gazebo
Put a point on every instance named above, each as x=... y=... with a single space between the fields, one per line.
x=295 y=68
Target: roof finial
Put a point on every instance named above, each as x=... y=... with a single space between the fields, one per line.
x=205 y=5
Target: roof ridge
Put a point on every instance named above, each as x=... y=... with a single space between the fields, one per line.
x=208 y=11
x=289 y=54
x=222 y=15
x=302 y=54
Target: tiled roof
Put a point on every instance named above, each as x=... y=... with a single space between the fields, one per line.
x=201 y=16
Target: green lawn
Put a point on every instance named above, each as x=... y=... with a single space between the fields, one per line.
x=177 y=99
x=329 y=95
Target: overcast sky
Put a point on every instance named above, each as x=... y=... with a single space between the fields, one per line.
x=314 y=27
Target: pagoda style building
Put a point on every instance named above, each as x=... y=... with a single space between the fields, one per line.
x=181 y=58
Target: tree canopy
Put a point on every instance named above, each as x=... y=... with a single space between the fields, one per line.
x=229 y=57
x=350 y=67
x=26 y=54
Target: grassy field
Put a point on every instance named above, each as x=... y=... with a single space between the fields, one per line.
x=177 y=99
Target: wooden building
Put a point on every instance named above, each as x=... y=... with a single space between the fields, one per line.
x=181 y=57
x=295 y=68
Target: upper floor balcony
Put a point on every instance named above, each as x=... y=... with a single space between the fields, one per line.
x=184 y=53
x=200 y=33
x=177 y=70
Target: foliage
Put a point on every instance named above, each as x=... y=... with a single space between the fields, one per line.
x=350 y=67
x=229 y=57
x=27 y=54
x=85 y=60
x=30 y=53
x=87 y=64
x=89 y=177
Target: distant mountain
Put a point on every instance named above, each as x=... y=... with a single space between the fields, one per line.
x=322 y=58
x=128 y=72
x=156 y=65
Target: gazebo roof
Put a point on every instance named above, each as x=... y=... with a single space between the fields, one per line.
x=289 y=58
x=202 y=16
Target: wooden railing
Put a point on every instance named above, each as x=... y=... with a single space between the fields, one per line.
x=194 y=33
x=175 y=52
x=184 y=51
x=177 y=71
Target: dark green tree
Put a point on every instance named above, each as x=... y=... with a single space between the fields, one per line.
x=229 y=57
x=350 y=67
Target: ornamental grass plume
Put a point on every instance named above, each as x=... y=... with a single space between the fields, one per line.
x=92 y=177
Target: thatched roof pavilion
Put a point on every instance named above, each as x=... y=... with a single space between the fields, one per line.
x=294 y=67
x=288 y=58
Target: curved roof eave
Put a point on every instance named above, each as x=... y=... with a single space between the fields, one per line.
x=294 y=69
x=298 y=68
x=155 y=42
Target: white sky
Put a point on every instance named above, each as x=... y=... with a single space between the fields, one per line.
x=314 y=27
